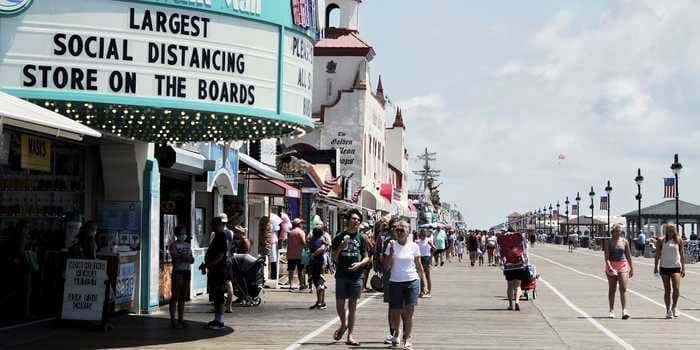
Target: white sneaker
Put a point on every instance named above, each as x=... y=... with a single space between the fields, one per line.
x=675 y=313
x=625 y=315
x=669 y=314
x=611 y=315
x=389 y=338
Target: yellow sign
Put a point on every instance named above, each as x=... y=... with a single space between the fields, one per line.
x=36 y=153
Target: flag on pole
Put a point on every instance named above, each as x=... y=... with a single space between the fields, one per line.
x=356 y=195
x=603 y=202
x=574 y=209
x=669 y=187
x=328 y=185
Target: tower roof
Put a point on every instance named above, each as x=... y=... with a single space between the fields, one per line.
x=343 y=42
x=398 y=122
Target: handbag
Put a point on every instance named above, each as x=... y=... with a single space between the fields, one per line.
x=376 y=283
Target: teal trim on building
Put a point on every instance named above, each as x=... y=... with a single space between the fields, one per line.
x=280 y=72
x=159 y=104
x=151 y=223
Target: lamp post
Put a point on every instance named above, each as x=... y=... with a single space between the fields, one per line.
x=676 y=167
x=592 y=195
x=550 y=218
x=608 y=190
x=544 y=218
x=566 y=203
x=639 y=180
x=558 y=217
x=578 y=214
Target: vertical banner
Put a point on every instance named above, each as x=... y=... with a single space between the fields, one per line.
x=84 y=289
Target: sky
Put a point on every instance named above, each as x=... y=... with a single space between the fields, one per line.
x=499 y=89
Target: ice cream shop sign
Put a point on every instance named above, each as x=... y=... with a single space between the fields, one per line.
x=161 y=70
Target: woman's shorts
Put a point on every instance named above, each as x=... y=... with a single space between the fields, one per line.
x=619 y=266
x=403 y=293
x=668 y=271
x=427 y=261
x=517 y=274
x=439 y=251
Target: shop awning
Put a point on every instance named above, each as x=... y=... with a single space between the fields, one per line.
x=22 y=114
x=272 y=187
x=259 y=167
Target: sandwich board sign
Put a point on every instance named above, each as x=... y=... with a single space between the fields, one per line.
x=84 y=289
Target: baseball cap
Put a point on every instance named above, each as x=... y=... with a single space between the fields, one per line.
x=297 y=221
x=222 y=217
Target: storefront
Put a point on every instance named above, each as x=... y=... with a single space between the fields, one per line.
x=151 y=73
x=45 y=181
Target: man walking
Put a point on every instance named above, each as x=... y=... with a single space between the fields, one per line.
x=350 y=255
x=215 y=265
x=296 y=241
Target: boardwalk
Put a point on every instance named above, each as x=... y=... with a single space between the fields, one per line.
x=467 y=312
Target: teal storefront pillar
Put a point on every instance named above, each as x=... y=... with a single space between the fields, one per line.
x=150 y=237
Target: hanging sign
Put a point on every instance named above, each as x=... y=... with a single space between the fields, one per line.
x=35 y=153
x=84 y=289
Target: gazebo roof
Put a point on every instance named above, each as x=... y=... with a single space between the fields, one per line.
x=584 y=221
x=668 y=208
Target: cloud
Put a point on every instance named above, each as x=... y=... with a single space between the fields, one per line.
x=613 y=88
x=434 y=101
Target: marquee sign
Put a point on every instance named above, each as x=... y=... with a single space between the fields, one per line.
x=8 y=7
x=200 y=55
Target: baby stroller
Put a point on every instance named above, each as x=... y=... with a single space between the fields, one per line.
x=530 y=284
x=248 y=277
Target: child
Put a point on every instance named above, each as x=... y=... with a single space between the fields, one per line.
x=459 y=244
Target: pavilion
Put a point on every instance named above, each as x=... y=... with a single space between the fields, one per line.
x=662 y=213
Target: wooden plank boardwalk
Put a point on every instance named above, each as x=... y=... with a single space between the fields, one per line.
x=467 y=312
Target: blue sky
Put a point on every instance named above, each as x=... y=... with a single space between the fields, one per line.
x=500 y=88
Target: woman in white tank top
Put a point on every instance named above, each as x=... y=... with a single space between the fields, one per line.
x=670 y=264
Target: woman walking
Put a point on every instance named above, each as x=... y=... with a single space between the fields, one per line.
x=618 y=268
x=404 y=262
x=672 y=259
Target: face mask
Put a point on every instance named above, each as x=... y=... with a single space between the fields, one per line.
x=182 y=237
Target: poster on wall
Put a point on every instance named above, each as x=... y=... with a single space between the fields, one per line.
x=126 y=279
x=84 y=289
x=120 y=223
x=35 y=153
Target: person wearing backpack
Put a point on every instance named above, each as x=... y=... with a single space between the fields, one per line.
x=216 y=266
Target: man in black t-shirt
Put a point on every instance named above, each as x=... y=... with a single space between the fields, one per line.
x=350 y=255
x=215 y=262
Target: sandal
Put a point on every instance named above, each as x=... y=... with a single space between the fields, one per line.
x=352 y=342
x=338 y=334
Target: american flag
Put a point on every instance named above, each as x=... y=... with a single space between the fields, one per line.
x=669 y=187
x=356 y=195
x=328 y=186
x=604 y=203
x=574 y=209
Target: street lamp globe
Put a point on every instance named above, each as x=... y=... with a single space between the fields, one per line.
x=676 y=166
x=591 y=194
x=566 y=202
x=608 y=188
x=578 y=197
x=639 y=179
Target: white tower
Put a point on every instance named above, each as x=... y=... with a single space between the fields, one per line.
x=348 y=13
